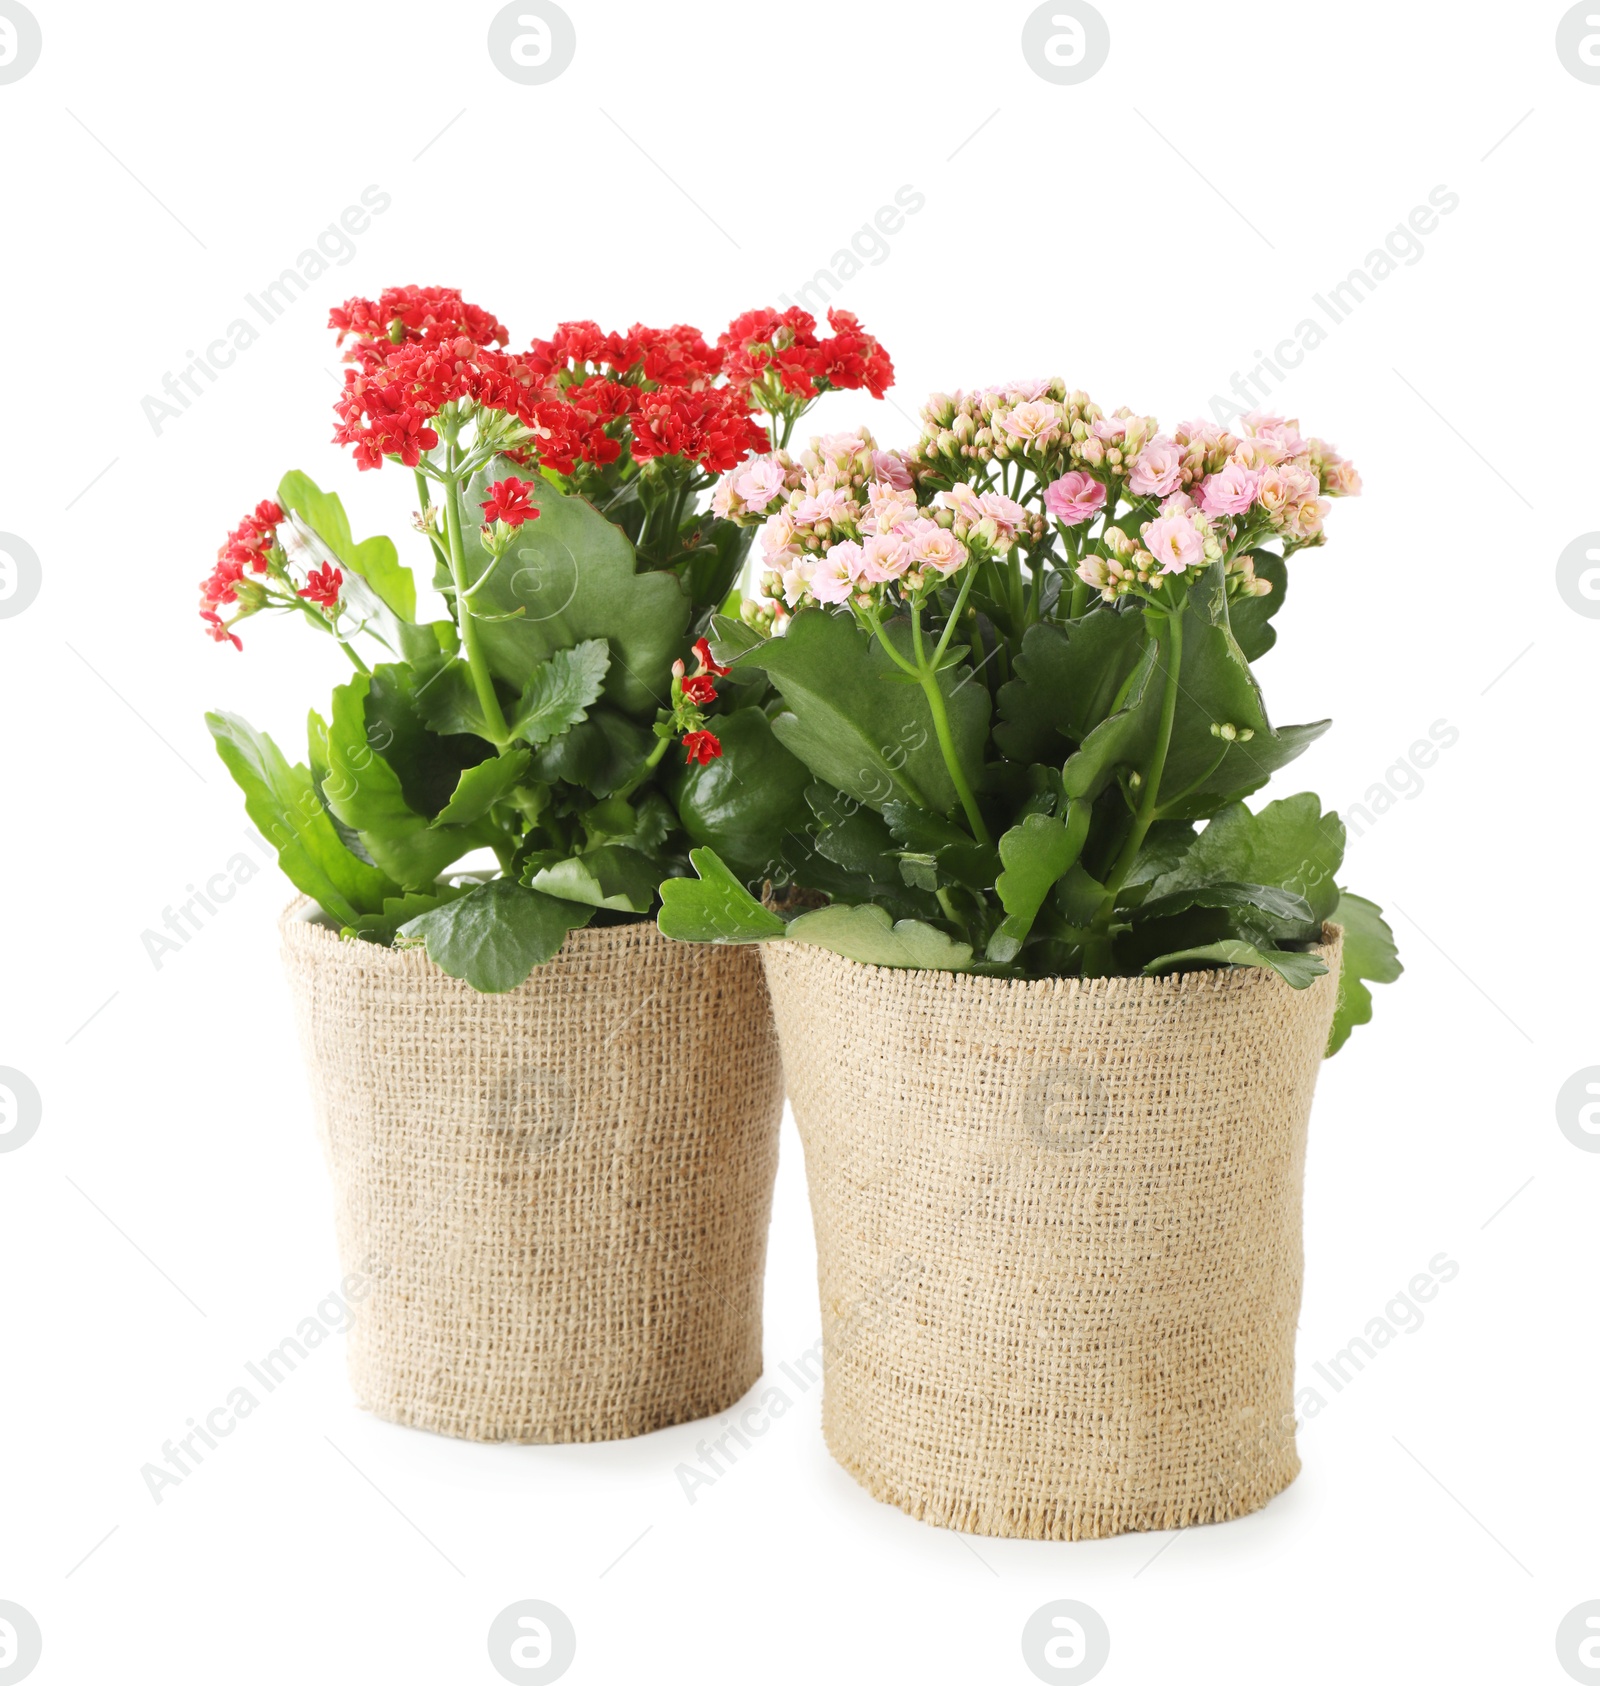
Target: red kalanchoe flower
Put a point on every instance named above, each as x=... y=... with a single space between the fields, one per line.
x=708 y=662
x=712 y=427
x=853 y=358
x=785 y=347
x=508 y=501
x=700 y=688
x=702 y=747
x=676 y=356
x=412 y=315
x=322 y=587
x=218 y=631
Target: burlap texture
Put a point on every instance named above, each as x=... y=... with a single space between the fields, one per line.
x=560 y=1195
x=1058 y=1235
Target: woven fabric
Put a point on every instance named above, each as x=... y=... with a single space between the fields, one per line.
x=1058 y=1235
x=560 y=1195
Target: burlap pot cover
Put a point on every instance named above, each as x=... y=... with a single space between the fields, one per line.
x=557 y=1199
x=1058 y=1235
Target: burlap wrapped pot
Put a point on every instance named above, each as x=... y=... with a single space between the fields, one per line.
x=1058 y=1235
x=556 y=1199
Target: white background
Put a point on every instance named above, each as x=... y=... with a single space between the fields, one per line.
x=1141 y=234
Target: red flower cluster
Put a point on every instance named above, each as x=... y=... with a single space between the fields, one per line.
x=585 y=393
x=389 y=399
x=412 y=315
x=246 y=547
x=690 y=693
x=322 y=587
x=711 y=426
x=508 y=501
x=677 y=356
x=703 y=747
x=785 y=346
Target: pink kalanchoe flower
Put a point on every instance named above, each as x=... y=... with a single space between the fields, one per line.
x=1175 y=543
x=831 y=578
x=884 y=557
x=964 y=502
x=1199 y=432
x=1231 y=491
x=1158 y=469
x=850 y=554
x=795 y=575
x=936 y=547
x=887 y=508
x=1005 y=512
x=890 y=467
x=1281 y=490
x=777 y=536
x=1259 y=451
x=1032 y=424
x=1075 y=498
x=1261 y=425
x=1340 y=479
x=759 y=483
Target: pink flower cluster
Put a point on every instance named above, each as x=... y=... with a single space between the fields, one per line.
x=842 y=523
x=1220 y=492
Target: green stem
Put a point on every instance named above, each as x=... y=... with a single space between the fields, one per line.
x=955 y=615
x=424 y=503
x=1149 y=792
x=482 y=682
x=928 y=678
x=651 y=762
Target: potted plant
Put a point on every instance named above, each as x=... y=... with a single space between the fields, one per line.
x=1052 y=996
x=552 y=1133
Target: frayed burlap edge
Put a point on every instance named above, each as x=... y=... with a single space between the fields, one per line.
x=1058 y=1233
x=554 y=1201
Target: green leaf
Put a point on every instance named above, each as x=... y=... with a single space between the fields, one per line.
x=428 y=763
x=1297 y=970
x=1291 y=843
x=494 y=936
x=482 y=786
x=375 y=560
x=742 y=802
x=397 y=910
x=870 y=738
x=283 y=803
x=447 y=699
x=560 y=691
x=1036 y=853
x=729 y=639
x=1124 y=738
x=1223 y=747
x=866 y=933
x=363 y=791
x=957 y=853
x=1282 y=912
x=611 y=876
x=1369 y=956
x=600 y=754
x=1165 y=844
x=715 y=907
x=1251 y=617
x=571 y=574
x=709 y=570
x=1068 y=679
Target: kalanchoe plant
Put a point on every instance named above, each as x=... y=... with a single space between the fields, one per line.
x=560 y=494
x=1013 y=720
